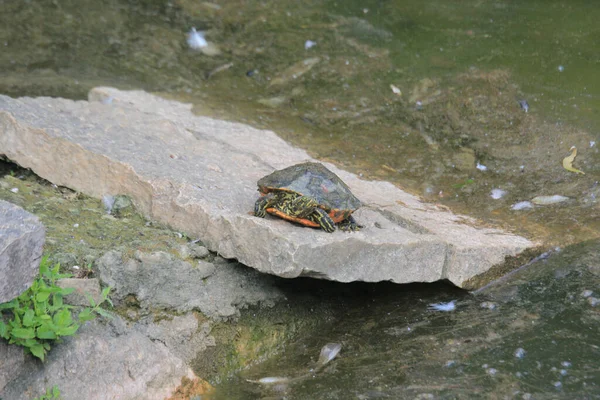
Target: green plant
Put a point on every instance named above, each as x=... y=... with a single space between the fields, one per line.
x=39 y=317
x=51 y=394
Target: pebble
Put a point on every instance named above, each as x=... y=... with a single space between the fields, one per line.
x=561 y=68
x=520 y=353
x=481 y=167
x=586 y=293
x=546 y=200
x=15 y=190
x=593 y=301
x=489 y=305
x=522 y=205
x=497 y=194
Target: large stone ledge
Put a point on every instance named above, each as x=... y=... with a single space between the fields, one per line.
x=199 y=175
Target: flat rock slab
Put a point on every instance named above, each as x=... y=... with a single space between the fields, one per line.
x=199 y=175
x=22 y=237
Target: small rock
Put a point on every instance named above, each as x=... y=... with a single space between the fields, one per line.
x=546 y=200
x=587 y=293
x=206 y=269
x=197 y=251
x=557 y=385
x=83 y=287
x=593 y=301
x=481 y=167
x=273 y=102
x=520 y=353
x=489 y=305
x=497 y=194
x=122 y=207
x=522 y=205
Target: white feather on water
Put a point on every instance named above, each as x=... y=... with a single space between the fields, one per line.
x=328 y=353
x=196 y=39
x=449 y=306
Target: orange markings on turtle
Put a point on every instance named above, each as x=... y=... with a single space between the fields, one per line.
x=336 y=215
x=302 y=221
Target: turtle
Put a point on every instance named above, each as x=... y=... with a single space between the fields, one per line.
x=308 y=194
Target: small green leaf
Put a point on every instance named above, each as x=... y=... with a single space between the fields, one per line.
x=90 y=300
x=4 y=330
x=67 y=330
x=104 y=313
x=57 y=300
x=63 y=318
x=38 y=351
x=28 y=318
x=23 y=333
x=86 y=315
x=14 y=303
x=42 y=296
x=46 y=332
x=66 y=291
x=55 y=392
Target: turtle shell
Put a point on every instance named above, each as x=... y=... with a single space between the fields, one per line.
x=313 y=179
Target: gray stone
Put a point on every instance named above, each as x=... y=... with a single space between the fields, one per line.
x=181 y=334
x=160 y=281
x=106 y=361
x=199 y=176
x=22 y=238
x=12 y=362
x=193 y=250
x=83 y=288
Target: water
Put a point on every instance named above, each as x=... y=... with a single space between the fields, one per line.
x=533 y=336
x=461 y=68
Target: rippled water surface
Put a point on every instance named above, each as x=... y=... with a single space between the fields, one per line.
x=423 y=94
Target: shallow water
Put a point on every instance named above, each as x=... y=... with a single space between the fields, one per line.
x=533 y=336
x=461 y=67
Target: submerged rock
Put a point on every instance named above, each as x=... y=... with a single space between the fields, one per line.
x=199 y=175
x=546 y=200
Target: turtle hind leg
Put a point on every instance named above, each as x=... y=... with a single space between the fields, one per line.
x=349 y=224
x=261 y=205
x=321 y=217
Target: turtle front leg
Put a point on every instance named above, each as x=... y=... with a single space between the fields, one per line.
x=321 y=217
x=349 y=224
x=261 y=205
